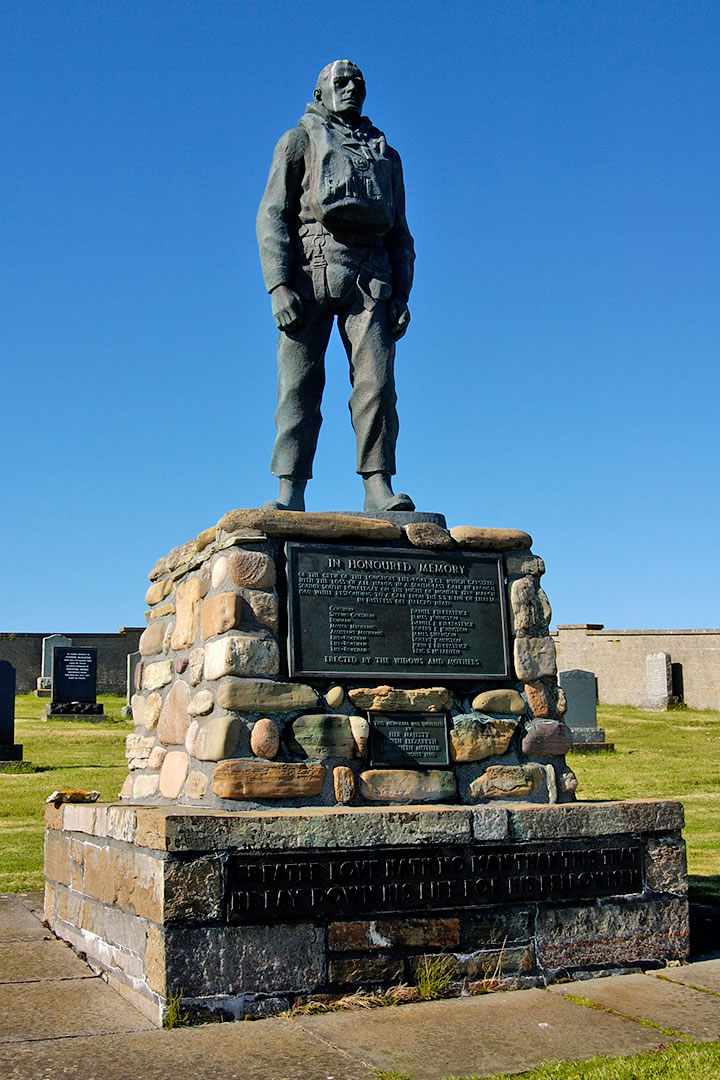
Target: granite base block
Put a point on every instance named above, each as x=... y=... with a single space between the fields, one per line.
x=246 y=912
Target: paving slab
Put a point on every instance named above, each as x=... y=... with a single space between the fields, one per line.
x=61 y=1008
x=17 y=923
x=642 y=997
x=35 y=961
x=260 y=1050
x=704 y=974
x=477 y=1036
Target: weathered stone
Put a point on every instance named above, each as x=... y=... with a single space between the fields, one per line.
x=188 y=598
x=407 y=785
x=361 y=734
x=153 y=707
x=595 y=935
x=205 y=539
x=568 y=782
x=320 y=526
x=529 y=607
x=322 y=735
x=264 y=607
x=196 y=786
x=524 y=563
x=219 y=573
x=343 y=784
x=160 y=612
x=202 y=704
x=125 y=791
x=173 y=774
x=508 y=782
x=391 y=699
x=258 y=695
x=393 y=934
x=217 y=738
x=181 y=665
x=196 y=666
x=499 y=701
x=369 y=969
x=137 y=704
x=157 y=674
x=561 y=701
x=334 y=697
x=167 y=638
x=145 y=786
x=251 y=569
x=137 y=749
x=219 y=614
x=547 y=737
x=241 y=654
x=265 y=739
x=473 y=738
x=479 y=539
x=174 y=720
x=426 y=534
x=254 y=779
x=666 y=865
x=540 y=700
x=156 y=758
x=158 y=591
x=534 y=658
x=151 y=639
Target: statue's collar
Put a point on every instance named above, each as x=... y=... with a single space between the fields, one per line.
x=318 y=111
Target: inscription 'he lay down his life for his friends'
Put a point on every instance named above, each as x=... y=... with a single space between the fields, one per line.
x=371 y=612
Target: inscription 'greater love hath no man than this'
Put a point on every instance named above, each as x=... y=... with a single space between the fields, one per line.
x=318 y=884
x=380 y=612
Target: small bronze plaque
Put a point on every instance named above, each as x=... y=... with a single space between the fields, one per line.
x=409 y=741
x=391 y=612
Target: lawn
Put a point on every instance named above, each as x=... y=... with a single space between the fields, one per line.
x=674 y=754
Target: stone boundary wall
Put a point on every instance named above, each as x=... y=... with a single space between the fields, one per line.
x=219 y=722
x=618 y=659
x=24 y=652
x=144 y=892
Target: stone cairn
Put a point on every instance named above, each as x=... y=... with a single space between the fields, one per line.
x=217 y=725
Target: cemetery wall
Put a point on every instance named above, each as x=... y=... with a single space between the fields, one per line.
x=618 y=658
x=24 y=652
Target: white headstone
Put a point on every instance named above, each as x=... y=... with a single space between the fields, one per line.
x=659 y=680
x=48 y=644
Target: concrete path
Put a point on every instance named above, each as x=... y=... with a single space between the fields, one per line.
x=58 y=1019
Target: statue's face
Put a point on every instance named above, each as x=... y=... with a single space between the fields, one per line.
x=342 y=91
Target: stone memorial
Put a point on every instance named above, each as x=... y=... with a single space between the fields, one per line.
x=580 y=689
x=74 y=684
x=659 y=681
x=9 y=749
x=349 y=747
x=44 y=683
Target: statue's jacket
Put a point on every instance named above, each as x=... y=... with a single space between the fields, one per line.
x=332 y=218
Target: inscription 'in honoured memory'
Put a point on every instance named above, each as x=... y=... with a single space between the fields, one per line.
x=380 y=881
x=378 y=612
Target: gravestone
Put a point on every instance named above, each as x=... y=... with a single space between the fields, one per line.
x=9 y=749
x=133 y=659
x=74 y=684
x=44 y=683
x=581 y=716
x=659 y=681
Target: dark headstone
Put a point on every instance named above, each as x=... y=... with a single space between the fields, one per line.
x=579 y=687
x=389 y=614
x=9 y=749
x=74 y=683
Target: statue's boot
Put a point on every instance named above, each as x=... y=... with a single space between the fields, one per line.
x=379 y=495
x=395 y=502
x=291 y=496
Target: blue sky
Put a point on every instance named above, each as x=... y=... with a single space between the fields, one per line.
x=561 y=371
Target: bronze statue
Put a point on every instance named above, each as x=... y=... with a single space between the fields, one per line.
x=334 y=242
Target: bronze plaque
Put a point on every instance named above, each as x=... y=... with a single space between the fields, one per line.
x=356 y=612
x=409 y=740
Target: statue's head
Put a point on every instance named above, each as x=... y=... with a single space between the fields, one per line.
x=341 y=89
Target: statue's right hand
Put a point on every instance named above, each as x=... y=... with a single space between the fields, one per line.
x=287 y=308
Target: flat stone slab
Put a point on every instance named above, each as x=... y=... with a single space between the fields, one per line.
x=56 y=1009
x=35 y=961
x=262 y=1050
x=642 y=997
x=17 y=923
x=705 y=974
x=477 y=1036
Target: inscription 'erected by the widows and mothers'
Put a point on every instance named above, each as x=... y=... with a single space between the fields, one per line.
x=379 y=881
x=383 y=612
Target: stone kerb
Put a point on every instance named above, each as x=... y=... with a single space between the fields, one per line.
x=218 y=724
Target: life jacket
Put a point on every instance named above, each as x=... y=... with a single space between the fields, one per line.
x=348 y=175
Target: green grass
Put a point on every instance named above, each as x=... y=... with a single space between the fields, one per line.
x=700 y=1061
x=674 y=754
x=65 y=754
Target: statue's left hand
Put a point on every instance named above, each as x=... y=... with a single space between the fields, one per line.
x=399 y=316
